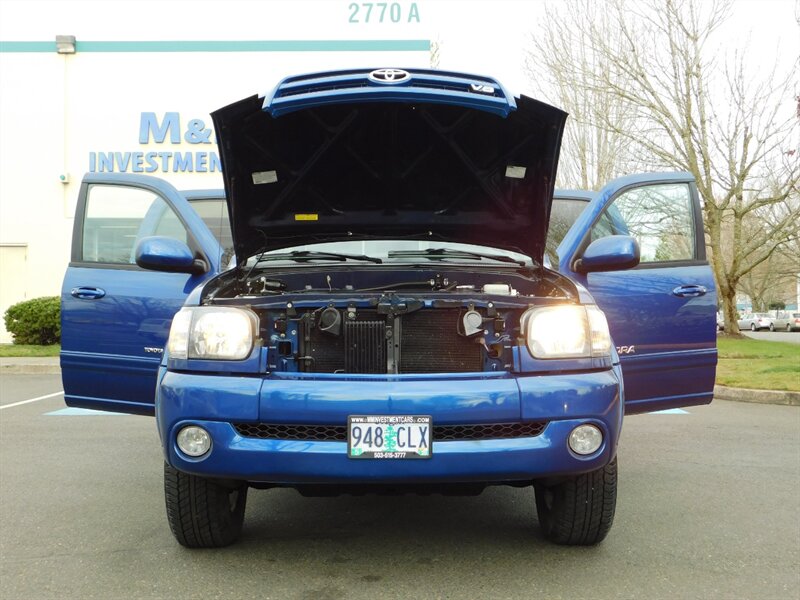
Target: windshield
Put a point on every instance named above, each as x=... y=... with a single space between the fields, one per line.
x=214 y=213
x=384 y=250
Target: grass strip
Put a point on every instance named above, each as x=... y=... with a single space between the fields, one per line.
x=758 y=364
x=28 y=350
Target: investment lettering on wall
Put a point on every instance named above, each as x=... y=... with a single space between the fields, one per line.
x=166 y=130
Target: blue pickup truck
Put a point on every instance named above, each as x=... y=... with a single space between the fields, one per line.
x=377 y=306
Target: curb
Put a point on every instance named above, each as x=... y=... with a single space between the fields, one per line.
x=30 y=370
x=722 y=392
x=30 y=365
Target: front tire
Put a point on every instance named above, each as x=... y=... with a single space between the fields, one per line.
x=202 y=513
x=580 y=510
x=772 y=326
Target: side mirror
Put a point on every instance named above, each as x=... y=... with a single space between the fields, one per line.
x=159 y=253
x=610 y=253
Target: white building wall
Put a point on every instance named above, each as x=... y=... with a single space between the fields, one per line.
x=55 y=110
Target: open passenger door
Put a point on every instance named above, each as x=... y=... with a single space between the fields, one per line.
x=661 y=313
x=115 y=314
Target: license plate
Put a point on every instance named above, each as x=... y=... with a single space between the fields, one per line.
x=389 y=437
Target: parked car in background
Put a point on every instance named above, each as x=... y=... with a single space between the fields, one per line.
x=755 y=321
x=786 y=321
x=764 y=321
x=720 y=321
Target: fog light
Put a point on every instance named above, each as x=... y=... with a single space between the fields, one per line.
x=194 y=441
x=585 y=439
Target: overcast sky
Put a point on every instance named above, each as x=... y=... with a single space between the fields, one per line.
x=480 y=36
x=490 y=37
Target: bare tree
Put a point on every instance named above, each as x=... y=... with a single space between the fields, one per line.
x=773 y=282
x=704 y=113
x=557 y=65
x=435 y=55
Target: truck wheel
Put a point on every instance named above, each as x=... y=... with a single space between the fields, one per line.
x=579 y=511
x=201 y=513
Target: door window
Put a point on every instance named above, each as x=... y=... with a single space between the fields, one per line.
x=214 y=212
x=563 y=214
x=660 y=217
x=117 y=217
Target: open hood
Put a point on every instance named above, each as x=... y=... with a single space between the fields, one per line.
x=389 y=154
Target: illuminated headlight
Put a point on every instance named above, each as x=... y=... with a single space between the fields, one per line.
x=178 y=343
x=566 y=331
x=214 y=333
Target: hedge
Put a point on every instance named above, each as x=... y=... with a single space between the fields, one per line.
x=36 y=321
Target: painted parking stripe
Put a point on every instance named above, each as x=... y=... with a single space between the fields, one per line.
x=671 y=411
x=21 y=402
x=82 y=412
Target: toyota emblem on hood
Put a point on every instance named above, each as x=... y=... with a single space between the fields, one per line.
x=389 y=75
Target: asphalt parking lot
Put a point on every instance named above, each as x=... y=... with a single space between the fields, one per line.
x=793 y=337
x=708 y=508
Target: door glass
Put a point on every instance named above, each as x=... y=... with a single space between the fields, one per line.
x=117 y=217
x=660 y=217
x=563 y=215
x=214 y=212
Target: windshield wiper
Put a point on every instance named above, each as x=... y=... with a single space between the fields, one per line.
x=434 y=253
x=309 y=255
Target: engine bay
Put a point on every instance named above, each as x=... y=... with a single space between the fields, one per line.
x=380 y=320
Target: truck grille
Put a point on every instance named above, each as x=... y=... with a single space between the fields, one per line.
x=441 y=433
x=365 y=347
x=361 y=347
x=429 y=342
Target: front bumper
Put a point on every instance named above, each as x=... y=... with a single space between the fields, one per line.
x=215 y=402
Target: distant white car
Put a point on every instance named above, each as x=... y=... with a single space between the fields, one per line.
x=786 y=321
x=756 y=321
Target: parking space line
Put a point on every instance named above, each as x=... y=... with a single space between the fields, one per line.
x=82 y=412
x=671 y=411
x=21 y=402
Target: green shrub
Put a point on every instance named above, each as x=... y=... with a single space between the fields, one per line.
x=36 y=321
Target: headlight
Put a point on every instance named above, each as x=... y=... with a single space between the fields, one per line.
x=178 y=343
x=566 y=331
x=215 y=333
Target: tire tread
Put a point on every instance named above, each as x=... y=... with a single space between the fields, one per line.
x=198 y=510
x=583 y=507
